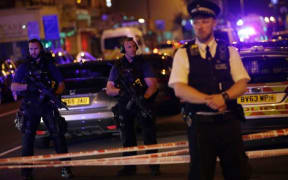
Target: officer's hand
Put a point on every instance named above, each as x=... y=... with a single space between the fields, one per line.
x=216 y=102
x=222 y=108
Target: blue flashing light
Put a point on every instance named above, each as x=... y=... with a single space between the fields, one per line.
x=246 y=33
x=240 y=22
x=274 y=2
x=104 y=17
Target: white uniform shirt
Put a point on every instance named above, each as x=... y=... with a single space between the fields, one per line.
x=180 y=67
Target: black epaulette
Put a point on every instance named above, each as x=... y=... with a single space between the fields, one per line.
x=223 y=49
x=221 y=42
x=188 y=44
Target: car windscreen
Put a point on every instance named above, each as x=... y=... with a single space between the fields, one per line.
x=86 y=77
x=114 y=42
x=263 y=69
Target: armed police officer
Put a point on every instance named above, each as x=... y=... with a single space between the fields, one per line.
x=133 y=80
x=40 y=68
x=208 y=76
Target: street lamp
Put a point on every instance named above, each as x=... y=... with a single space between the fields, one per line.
x=108 y=3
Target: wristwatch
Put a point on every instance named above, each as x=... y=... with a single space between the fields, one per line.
x=225 y=96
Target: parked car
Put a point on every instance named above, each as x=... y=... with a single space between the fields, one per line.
x=90 y=108
x=266 y=101
x=7 y=71
x=61 y=56
x=167 y=103
x=168 y=49
x=85 y=56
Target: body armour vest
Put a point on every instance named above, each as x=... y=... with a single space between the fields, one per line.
x=210 y=77
x=40 y=72
x=132 y=74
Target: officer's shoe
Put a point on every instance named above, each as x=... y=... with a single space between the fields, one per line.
x=127 y=171
x=66 y=173
x=27 y=177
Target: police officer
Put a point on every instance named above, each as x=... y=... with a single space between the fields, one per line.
x=35 y=106
x=208 y=76
x=133 y=69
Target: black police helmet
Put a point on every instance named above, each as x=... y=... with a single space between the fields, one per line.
x=122 y=48
x=203 y=8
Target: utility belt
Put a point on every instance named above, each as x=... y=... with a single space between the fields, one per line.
x=212 y=117
x=202 y=117
x=203 y=114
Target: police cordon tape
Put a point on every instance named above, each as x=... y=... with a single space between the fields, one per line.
x=102 y=161
x=93 y=153
x=178 y=159
x=265 y=135
x=158 y=158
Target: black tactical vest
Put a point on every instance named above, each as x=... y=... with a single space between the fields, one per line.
x=41 y=72
x=132 y=73
x=210 y=77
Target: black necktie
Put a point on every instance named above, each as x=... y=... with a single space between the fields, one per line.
x=208 y=54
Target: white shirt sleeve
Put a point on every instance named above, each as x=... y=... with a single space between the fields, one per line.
x=238 y=70
x=180 y=68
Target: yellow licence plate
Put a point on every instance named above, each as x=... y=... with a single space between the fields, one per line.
x=76 y=101
x=265 y=98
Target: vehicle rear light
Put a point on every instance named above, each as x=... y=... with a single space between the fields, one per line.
x=41 y=132
x=267 y=89
x=111 y=127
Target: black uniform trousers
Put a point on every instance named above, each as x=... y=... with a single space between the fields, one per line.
x=128 y=134
x=217 y=136
x=32 y=114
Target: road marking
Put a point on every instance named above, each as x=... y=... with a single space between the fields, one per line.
x=8 y=113
x=10 y=150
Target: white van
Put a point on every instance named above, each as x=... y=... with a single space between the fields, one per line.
x=111 y=41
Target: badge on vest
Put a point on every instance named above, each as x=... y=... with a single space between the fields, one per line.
x=221 y=66
x=194 y=50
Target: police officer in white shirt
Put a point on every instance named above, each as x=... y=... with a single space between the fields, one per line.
x=208 y=76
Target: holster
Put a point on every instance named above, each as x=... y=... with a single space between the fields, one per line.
x=62 y=124
x=117 y=114
x=19 y=120
x=238 y=109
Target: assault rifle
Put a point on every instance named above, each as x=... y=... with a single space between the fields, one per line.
x=134 y=98
x=44 y=91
